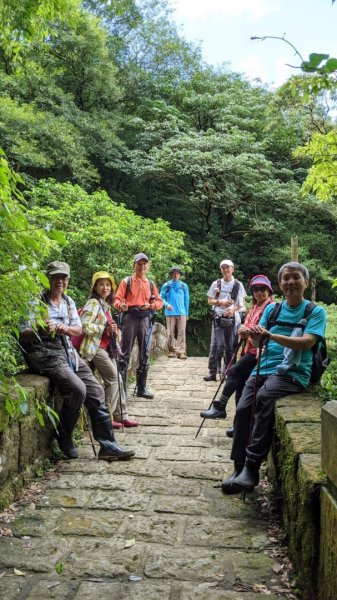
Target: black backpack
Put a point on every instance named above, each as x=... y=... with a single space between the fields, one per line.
x=320 y=359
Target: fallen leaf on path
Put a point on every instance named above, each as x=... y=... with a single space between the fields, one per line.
x=20 y=573
x=129 y=543
x=277 y=568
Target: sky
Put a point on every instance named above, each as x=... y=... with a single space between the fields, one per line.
x=224 y=28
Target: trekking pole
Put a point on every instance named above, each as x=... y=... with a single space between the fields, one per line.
x=222 y=379
x=88 y=429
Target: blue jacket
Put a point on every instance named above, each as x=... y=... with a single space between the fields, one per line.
x=175 y=293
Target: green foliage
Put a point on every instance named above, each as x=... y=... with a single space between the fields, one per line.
x=102 y=234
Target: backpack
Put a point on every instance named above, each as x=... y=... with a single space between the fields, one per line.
x=234 y=293
x=320 y=359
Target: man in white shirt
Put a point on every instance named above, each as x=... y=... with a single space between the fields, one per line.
x=226 y=297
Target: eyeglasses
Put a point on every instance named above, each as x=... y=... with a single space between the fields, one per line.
x=258 y=288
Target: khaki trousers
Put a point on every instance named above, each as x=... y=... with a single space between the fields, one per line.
x=107 y=369
x=176 y=344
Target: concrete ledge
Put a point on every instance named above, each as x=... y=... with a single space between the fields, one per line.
x=297 y=476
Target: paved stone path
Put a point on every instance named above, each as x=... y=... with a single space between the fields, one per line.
x=156 y=527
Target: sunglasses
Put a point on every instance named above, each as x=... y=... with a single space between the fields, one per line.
x=258 y=288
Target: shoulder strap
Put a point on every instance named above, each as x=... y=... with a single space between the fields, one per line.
x=235 y=290
x=151 y=286
x=218 y=284
x=308 y=310
x=273 y=315
x=128 y=285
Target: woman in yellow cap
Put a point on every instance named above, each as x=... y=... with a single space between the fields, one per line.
x=99 y=345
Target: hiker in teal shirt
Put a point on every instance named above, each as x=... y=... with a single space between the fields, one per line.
x=176 y=298
x=285 y=368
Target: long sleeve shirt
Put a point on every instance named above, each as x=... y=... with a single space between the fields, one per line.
x=138 y=294
x=176 y=294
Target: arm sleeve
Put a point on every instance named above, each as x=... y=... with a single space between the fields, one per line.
x=316 y=322
x=158 y=303
x=187 y=299
x=75 y=320
x=90 y=324
x=120 y=294
x=163 y=294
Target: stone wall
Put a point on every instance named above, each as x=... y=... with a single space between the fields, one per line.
x=25 y=446
x=305 y=494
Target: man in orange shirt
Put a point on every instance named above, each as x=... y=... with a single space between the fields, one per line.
x=137 y=297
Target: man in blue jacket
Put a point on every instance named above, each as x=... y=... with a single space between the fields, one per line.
x=176 y=298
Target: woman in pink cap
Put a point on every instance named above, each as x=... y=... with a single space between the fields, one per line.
x=262 y=295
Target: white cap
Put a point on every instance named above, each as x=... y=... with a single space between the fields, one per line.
x=226 y=262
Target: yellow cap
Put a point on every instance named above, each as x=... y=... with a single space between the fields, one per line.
x=103 y=275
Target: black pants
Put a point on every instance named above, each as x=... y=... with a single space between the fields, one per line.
x=253 y=437
x=135 y=328
x=238 y=375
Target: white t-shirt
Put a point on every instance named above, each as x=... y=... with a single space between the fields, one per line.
x=225 y=294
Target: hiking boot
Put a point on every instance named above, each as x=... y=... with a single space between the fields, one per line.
x=182 y=356
x=217 y=410
x=209 y=377
x=172 y=355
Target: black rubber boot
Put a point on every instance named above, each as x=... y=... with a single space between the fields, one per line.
x=227 y=484
x=142 y=390
x=210 y=377
x=230 y=432
x=103 y=434
x=68 y=419
x=249 y=476
x=217 y=410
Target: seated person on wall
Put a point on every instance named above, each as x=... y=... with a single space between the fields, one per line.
x=285 y=368
x=100 y=347
x=238 y=374
x=49 y=352
x=138 y=298
x=176 y=298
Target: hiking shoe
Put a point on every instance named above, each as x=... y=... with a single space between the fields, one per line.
x=172 y=355
x=130 y=423
x=182 y=356
x=116 y=424
x=230 y=432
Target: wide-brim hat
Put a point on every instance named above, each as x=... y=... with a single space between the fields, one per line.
x=57 y=267
x=103 y=275
x=261 y=280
